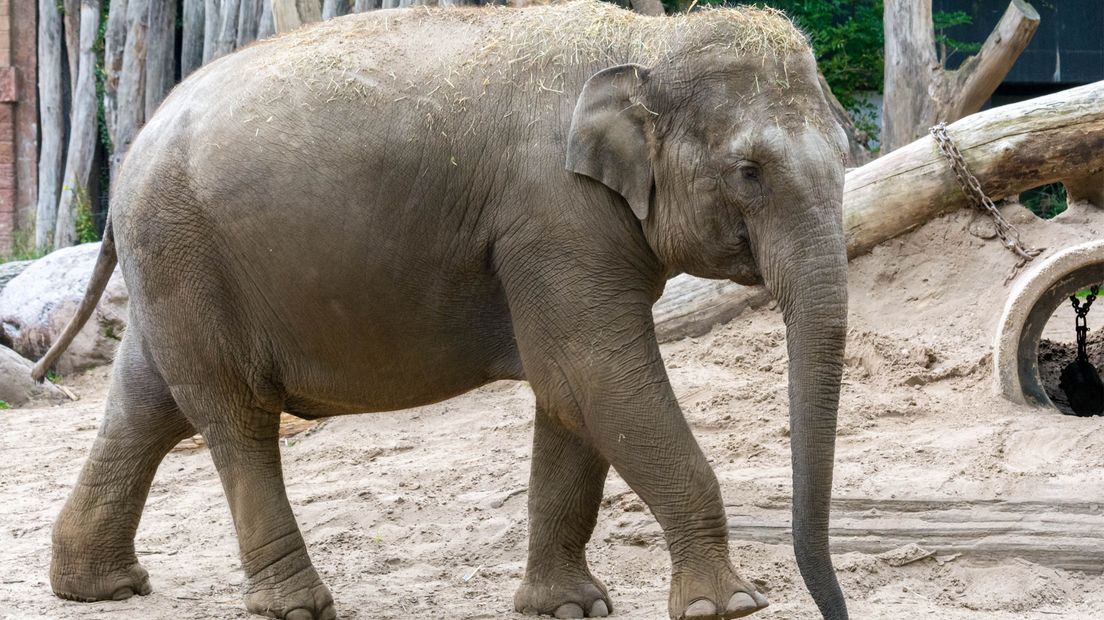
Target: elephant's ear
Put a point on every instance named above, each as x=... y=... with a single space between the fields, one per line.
x=607 y=141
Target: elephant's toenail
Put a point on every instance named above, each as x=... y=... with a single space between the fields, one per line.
x=741 y=601
x=569 y=610
x=700 y=608
x=760 y=600
x=599 y=609
x=329 y=613
x=299 y=614
x=122 y=594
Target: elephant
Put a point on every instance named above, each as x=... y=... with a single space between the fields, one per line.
x=389 y=209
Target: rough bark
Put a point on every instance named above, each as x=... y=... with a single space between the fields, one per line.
x=1010 y=149
x=291 y=14
x=212 y=13
x=919 y=92
x=71 y=20
x=248 y=21
x=161 y=57
x=363 y=6
x=334 y=8
x=82 y=137
x=266 y=28
x=52 y=123
x=114 y=47
x=648 y=7
x=130 y=100
x=191 y=44
x=1088 y=189
x=227 y=36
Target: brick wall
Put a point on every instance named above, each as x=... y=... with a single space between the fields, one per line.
x=8 y=88
x=18 y=119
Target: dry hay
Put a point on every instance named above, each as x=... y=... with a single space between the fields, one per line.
x=373 y=55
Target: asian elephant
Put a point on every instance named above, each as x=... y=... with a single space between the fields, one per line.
x=388 y=209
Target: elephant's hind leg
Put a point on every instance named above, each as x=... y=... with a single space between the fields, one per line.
x=93 y=538
x=244 y=440
x=565 y=490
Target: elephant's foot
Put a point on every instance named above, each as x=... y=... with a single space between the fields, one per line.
x=302 y=596
x=575 y=596
x=89 y=581
x=695 y=596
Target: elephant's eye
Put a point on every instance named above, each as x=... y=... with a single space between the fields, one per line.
x=749 y=171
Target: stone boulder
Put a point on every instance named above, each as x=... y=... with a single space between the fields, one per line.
x=11 y=269
x=17 y=388
x=36 y=305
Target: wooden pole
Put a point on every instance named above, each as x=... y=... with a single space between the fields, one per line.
x=1010 y=149
x=227 y=36
x=131 y=97
x=648 y=7
x=71 y=20
x=266 y=28
x=161 y=59
x=191 y=42
x=248 y=18
x=291 y=14
x=334 y=8
x=114 y=46
x=212 y=13
x=52 y=122
x=82 y=137
x=919 y=92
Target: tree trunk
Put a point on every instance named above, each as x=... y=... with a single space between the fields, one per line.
x=228 y=28
x=266 y=28
x=114 y=45
x=334 y=8
x=82 y=137
x=212 y=13
x=52 y=123
x=291 y=14
x=71 y=19
x=1088 y=189
x=161 y=58
x=249 y=22
x=363 y=6
x=919 y=92
x=131 y=99
x=648 y=7
x=1009 y=149
x=191 y=44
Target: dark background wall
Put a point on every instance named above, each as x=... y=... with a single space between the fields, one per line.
x=1067 y=49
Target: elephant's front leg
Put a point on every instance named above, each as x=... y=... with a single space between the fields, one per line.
x=593 y=361
x=565 y=490
x=640 y=429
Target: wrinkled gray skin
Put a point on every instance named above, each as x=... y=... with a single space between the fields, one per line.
x=342 y=257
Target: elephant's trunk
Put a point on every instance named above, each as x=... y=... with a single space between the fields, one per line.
x=809 y=278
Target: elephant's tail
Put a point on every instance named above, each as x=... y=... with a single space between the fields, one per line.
x=101 y=273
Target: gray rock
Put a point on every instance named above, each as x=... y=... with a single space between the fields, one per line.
x=11 y=269
x=36 y=305
x=17 y=388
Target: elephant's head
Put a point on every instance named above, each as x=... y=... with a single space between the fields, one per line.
x=734 y=166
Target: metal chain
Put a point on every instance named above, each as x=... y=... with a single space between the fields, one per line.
x=1008 y=234
x=1080 y=323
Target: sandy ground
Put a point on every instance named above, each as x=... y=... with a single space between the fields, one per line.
x=421 y=513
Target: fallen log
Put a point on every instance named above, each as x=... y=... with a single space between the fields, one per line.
x=1010 y=149
x=1057 y=534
